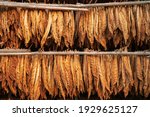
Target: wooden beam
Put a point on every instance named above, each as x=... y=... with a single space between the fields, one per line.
x=131 y=3
x=18 y=52
x=75 y=7
x=40 y=6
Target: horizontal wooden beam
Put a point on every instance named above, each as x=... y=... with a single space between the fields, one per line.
x=13 y=50
x=40 y=6
x=74 y=7
x=131 y=3
x=27 y=52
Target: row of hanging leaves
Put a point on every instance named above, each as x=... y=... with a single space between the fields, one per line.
x=101 y=25
x=33 y=77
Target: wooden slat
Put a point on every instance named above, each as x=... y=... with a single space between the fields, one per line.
x=75 y=7
x=40 y=6
x=131 y=3
x=18 y=52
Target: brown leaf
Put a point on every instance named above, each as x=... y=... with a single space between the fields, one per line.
x=43 y=21
x=96 y=23
x=26 y=29
x=145 y=73
x=102 y=74
x=45 y=72
x=90 y=27
x=81 y=28
x=111 y=20
x=59 y=27
x=68 y=73
x=25 y=83
x=71 y=28
x=66 y=28
x=78 y=71
x=74 y=78
x=63 y=75
x=114 y=72
x=123 y=20
x=85 y=71
x=139 y=69
x=133 y=25
x=35 y=81
x=117 y=37
x=57 y=76
x=138 y=23
x=136 y=80
x=50 y=22
x=128 y=69
x=51 y=81
x=89 y=76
